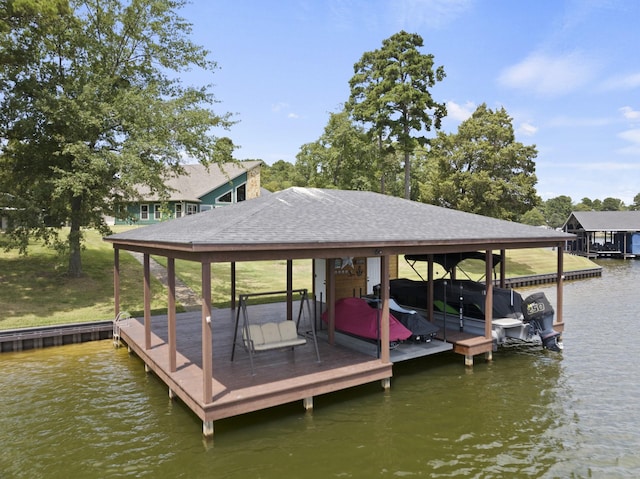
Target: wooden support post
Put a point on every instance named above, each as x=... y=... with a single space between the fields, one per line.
x=331 y=301
x=559 y=285
x=171 y=394
x=385 y=355
x=207 y=429
x=488 y=356
x=116 y=281
x=171 y=312
x=503 y=268
x=468 y=360
x=430 y=288
x=233 y=287
x=386 y=383
x=147 y=302
x=289 y=288
x=207 y=346
x=307 y=403
x=488 y=300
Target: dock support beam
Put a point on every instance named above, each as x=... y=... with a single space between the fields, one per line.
x=386 y=383
x=207 y=429
x=468 y=360
x=307 y=403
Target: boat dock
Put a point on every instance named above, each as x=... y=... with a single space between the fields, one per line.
x=277 y=376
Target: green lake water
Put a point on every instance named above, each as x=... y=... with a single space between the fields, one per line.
x=90 y=410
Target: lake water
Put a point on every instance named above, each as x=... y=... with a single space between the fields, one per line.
x=89 y=410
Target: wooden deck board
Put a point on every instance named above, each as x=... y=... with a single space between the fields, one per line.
x=465 y=343
x=281 y=376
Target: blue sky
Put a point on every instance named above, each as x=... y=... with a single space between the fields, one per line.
x=567 y=72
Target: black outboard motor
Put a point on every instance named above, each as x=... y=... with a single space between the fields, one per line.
x=539 y=313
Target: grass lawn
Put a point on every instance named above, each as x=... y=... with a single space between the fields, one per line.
x=35 y=290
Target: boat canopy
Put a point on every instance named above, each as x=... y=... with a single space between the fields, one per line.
x=449 y=261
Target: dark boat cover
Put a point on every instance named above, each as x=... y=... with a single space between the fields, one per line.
x=507 y=303
x=422 y=330
x=355 y=316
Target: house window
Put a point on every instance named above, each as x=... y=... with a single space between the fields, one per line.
x=178 y=210
x=241 y=193
x=144 y=212
x=205 y=208
x=226 y=198
x=157 y=211
x=192 y=209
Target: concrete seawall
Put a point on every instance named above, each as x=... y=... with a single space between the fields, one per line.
x=520 y=281
x=33 y=338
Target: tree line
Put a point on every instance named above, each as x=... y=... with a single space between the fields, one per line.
x=92 y=106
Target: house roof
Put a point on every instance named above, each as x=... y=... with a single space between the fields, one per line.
x=198 y=180
x=606 y=220
x=308 y=222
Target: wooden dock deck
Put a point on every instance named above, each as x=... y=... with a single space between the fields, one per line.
x=281 y=376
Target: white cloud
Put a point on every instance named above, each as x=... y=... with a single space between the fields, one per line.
x=459 y=112
x=293 y=115
x=629 y=113
x=633 y=137
x=527 y=129
x=549 y=75
x=622 y=82
x=277 y=107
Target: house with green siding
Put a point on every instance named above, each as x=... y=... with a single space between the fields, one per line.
x=200 y=188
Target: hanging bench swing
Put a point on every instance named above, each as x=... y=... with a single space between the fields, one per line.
x=272 y=335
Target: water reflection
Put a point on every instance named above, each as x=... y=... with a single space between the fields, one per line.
x=90 y=411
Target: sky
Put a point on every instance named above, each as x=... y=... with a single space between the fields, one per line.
x=566 y=71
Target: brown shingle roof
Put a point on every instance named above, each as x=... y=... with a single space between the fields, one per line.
x=307 y=218
x=198 y=180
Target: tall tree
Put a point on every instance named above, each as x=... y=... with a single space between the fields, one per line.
x=557 y=210
x=612 y=204
x=91 y=104
x=390 y=92
x=279 y=176
x=482 y=168
x=635 y=206
x=340 y=158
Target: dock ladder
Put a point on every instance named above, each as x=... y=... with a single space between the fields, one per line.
x=122 y=316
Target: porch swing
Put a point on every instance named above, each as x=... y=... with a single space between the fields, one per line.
x=266 y=336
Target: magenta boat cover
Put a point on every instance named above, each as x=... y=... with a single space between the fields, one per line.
x=355 y=316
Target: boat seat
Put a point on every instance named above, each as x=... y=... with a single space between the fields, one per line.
x=507 y=322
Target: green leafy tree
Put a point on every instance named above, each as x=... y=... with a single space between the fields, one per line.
x=341 y=158
x=585 y=205
x=482 y=168
x=635 y=206
x=91 y=104
x=279 y=176
x=557 y=210
x=612 y=204
x=390 y=93
x=533 y=217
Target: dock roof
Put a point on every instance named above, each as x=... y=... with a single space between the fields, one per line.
x=305 y=220
x=626 y=221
